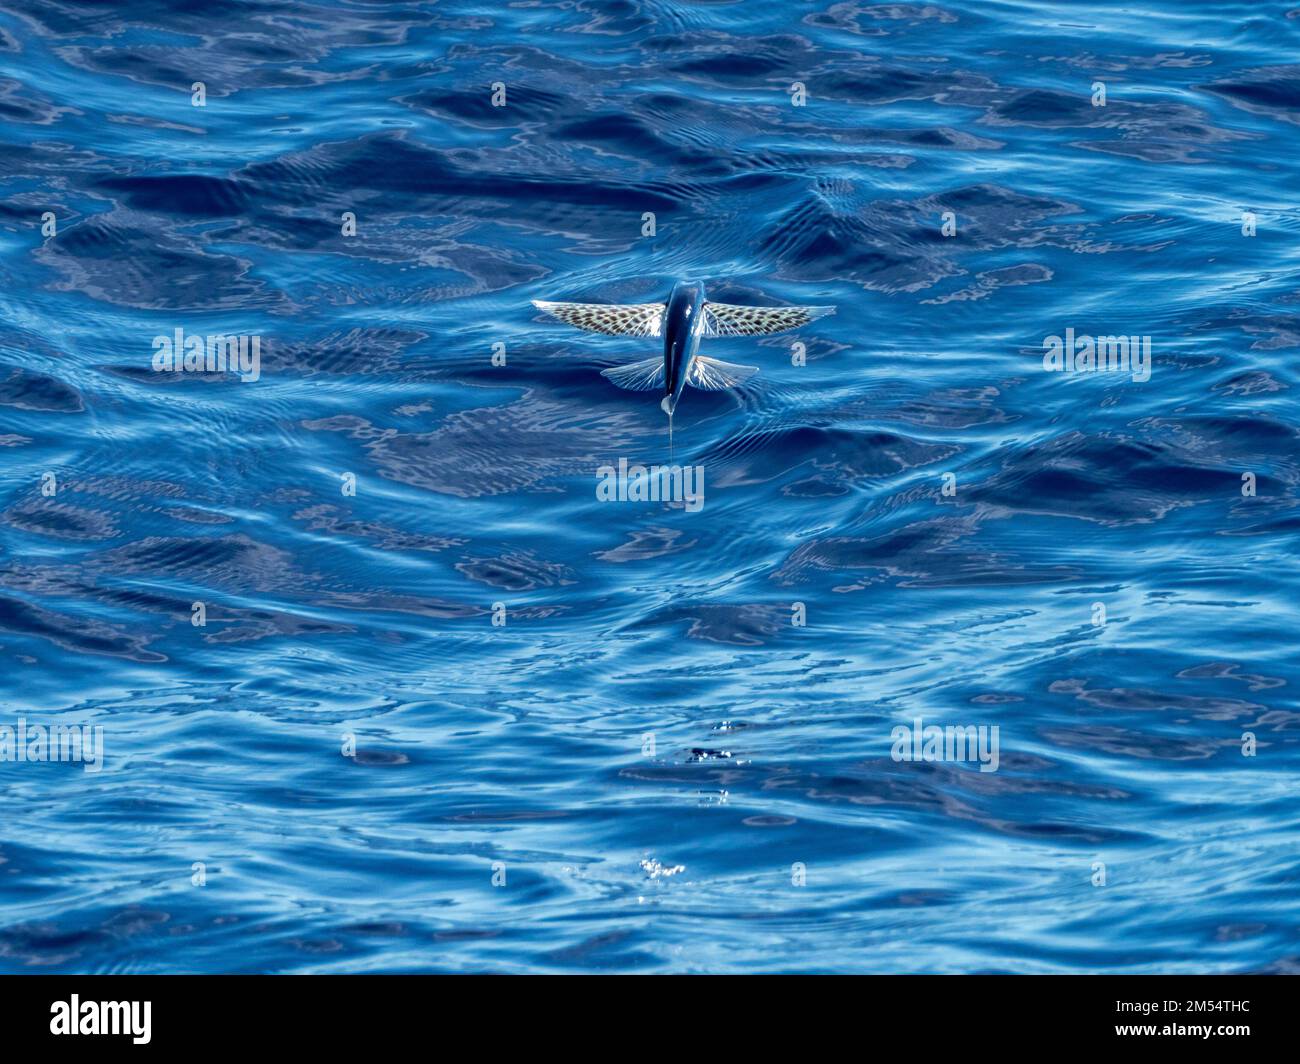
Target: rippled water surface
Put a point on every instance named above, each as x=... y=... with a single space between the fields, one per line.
x=649 y=766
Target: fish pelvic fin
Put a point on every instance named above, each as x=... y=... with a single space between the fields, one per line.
x=714 y=375
x=727 y=319
x=644 y=376
x=613 y=319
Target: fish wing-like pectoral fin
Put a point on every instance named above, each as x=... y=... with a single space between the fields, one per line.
x=714 y=375
x=613 y=319
x=642 y=376
x=726 y=319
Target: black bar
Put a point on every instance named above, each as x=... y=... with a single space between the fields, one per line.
x=337 y=1014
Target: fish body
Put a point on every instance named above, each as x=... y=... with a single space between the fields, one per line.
x=682 y=328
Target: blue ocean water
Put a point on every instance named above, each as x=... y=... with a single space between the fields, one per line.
x=676 y=754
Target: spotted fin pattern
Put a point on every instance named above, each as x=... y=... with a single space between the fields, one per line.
x=613 y=319
x=726 y=319
x=714 y=375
